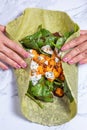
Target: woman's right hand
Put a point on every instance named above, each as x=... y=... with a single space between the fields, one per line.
x=10 y=52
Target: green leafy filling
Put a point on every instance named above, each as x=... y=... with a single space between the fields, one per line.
x=44 y=89
x=44 y=37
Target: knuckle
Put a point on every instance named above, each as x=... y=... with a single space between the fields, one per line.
x=15 y=46
x=18 y=60
x=19 y=49
x=6 y=40
x=11 y=54
x=11 y=62
x=2 y=57
x=75 y=40
x=1 y=47
x=70 y=55
x=84 y=55
x=78 y=49
x=70 y=45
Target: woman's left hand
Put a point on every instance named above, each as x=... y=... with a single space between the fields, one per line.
x=79 y=52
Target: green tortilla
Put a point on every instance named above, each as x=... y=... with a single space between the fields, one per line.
x=61 y=110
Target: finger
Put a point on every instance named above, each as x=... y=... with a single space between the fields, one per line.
x=2 y=28
x=17 y=48
x=7 y=60
x=3 y=66
x=13 y=56
x=78 y=58
x=74 y=42
x=75 y=51
x=83 y=61
x=14 y=46
x=82 y=32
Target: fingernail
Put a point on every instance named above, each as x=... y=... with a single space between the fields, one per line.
x=65 y=59
x=81 y=63
x=24 y=65
x=70 y=62
x=63 y=48
x=18 y=66
x=6 y=68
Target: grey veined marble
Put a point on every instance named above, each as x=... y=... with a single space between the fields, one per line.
x=10 y=115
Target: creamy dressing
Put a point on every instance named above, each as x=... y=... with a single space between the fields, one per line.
x=56 y=60
x=30 y=53
x=47 y=49
x=46 y=62
x=40 y=58
x=35 y=79
x=34 y=65
x=59 y=54
x=49 y=75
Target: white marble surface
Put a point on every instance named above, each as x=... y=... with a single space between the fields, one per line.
x=10 y=115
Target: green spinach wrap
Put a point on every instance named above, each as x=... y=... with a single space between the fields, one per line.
x=36 y=29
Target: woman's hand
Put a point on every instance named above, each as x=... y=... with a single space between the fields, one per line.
x=79 y=52
x=10 y=52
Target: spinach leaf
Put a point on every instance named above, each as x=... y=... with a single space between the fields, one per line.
x=60 y=42
x=42 y=90
x=44 y=37
x=36 y=40
x=41 y=38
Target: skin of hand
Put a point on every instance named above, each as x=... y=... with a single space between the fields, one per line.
x=10 y=52
x=78 y=54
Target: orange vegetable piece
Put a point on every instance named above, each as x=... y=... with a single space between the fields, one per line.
x=56 y=73
x=59 y=69
x=47 y=58
x=51 y=80
x=40 y=70
x=48 y=68
x=42 y=55
x=34 y=52
x=53 y=56
x=51 y=63
x=62 y=77
x=59 y=92
x=41 y=59
x=59 y=64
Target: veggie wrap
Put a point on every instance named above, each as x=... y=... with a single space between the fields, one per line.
x=60 y=110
